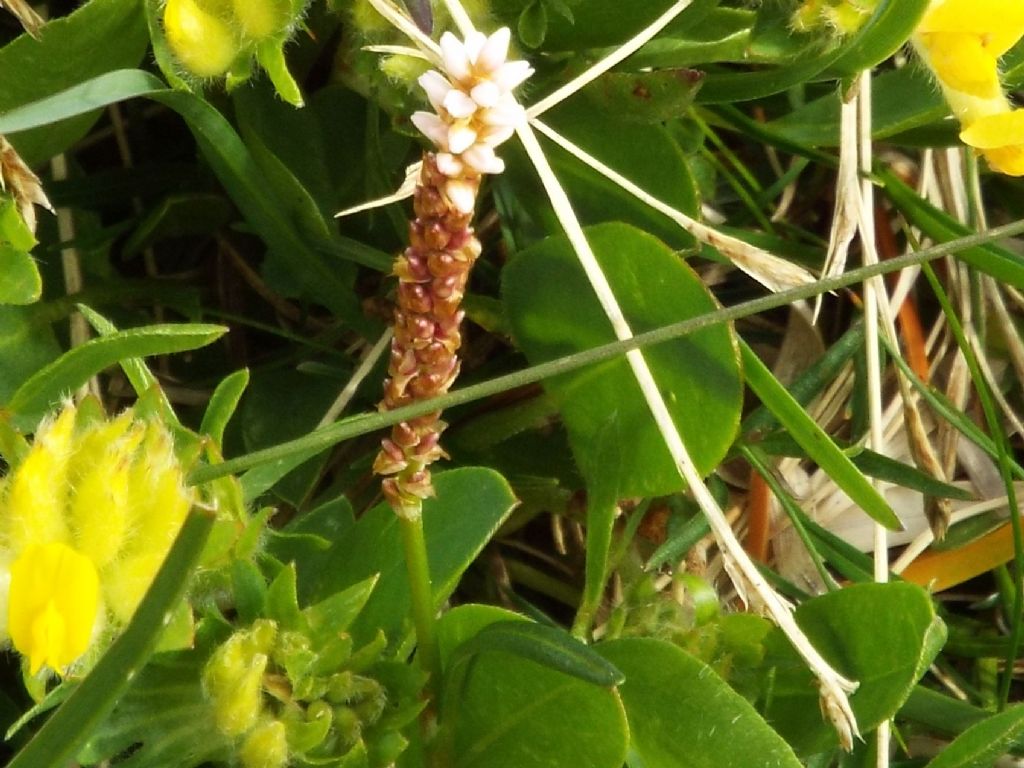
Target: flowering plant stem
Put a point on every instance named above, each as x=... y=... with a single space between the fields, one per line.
x=423 y=614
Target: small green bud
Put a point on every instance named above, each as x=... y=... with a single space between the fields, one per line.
x=348 y=728
x=266 y=746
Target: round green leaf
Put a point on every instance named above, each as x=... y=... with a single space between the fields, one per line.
x=882 y=635
x=681 y=713
x=554 y=312
x=508 y=712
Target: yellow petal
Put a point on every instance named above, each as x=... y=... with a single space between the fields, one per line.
x=52 y=605
x=962 y=63
x=126 y=580
x=37 y=489
x=997 y=24
x=1008 y=160
x=995 y=130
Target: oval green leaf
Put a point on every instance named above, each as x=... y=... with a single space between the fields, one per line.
x=509 y=712
x=681 y=713
x=554 y=313
x=882 y=635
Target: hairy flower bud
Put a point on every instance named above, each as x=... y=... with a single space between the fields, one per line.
x=205 y=44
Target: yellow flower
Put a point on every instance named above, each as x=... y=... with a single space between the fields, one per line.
x=1000 y=139
x=54 y=597
x=962 y=40
x=86 y=520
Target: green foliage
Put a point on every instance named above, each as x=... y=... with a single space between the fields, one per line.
x=562 y=601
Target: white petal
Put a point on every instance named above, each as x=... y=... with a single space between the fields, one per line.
x=512 y=73
x=459 y=104
x=453 y=53
x=475 y=42
x=486 y=93
x=494 y=135
x=460 y=138
x=431 y=126
x=436 y=86
x=462 y=195
x=481 y=158
x=448 y=164
x=495 y=51
x=507 y=112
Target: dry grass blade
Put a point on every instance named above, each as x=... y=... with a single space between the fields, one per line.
x=24 y=13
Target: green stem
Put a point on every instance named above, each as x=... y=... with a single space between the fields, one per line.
x=326 y=437
x=423 y=612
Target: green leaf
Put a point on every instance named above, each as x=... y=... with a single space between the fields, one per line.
x=463 y=622
x=336 y=613
x=509 y=712
x=100 y=91
x=270 y=55
x=681 y=713
x=901 y=100
x=881 y=36
x=982 y=744
x=645 y=97
x=139 y=376
x=20 y=282
x=155 y=720
x=222 y=405
x=882 y=635
x=1005 y=266
x=72 y=369
x=13 y=229
x=459 y=521
x=813 y=439
x=100 y=36
x=27 y=343
x=644 y=153
x=553 y=313
x=548 y=646
x=533 y=24
x=69 y=727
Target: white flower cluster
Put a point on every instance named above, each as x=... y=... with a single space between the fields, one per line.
x=475 y=108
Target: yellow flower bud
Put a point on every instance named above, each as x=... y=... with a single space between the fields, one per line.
x=238 y=701
x=204 y=44
x=266 y=746
x=53 y=605
x=37 y=490
x=260 y=19
x=99 y=513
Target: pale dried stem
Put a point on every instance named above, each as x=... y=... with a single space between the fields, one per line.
x=774 y=273
x=620 y=54
x=744 y=573
x=359 y=375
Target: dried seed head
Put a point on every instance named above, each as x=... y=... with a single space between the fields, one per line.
x=23 y=185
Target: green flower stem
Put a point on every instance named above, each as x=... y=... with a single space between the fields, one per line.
x=56 y=743
x=423 y=610
x=326 y=437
